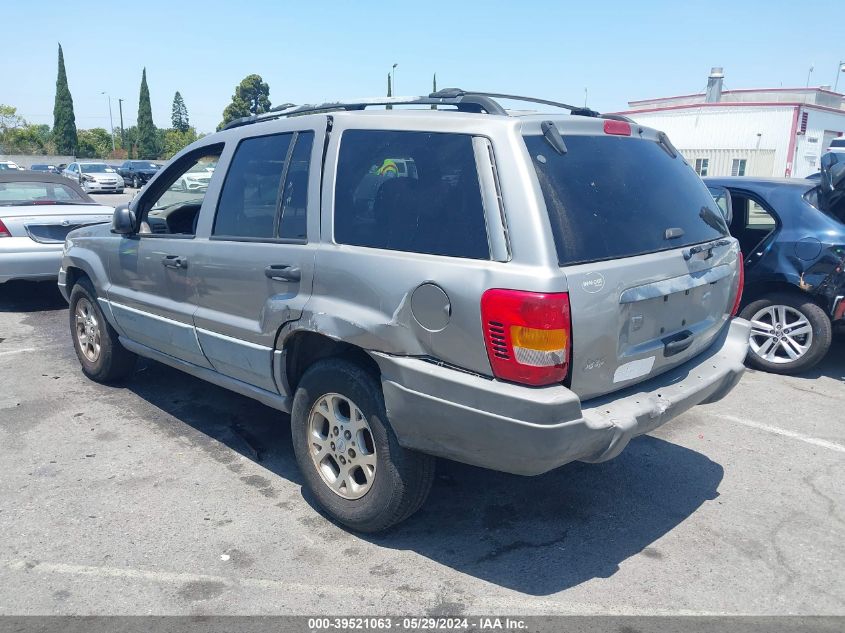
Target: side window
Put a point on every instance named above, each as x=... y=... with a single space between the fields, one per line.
x=248 y=202
x=293 y=223
x=173 y=207
x=410 y=191
x=752 y=222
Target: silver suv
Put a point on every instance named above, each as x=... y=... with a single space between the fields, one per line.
x=513 y=292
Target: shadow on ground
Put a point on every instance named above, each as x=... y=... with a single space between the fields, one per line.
x=31 y=296
x=536 y=535
x=833 y=364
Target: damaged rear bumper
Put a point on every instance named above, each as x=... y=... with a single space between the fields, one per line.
x=529 y=431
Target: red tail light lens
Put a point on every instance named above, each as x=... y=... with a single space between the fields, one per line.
x=4 y=232
x=740 y=285
x=619 y=128
x=527 y=334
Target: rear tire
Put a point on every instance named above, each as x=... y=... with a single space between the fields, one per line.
x=396 y=482
x=779 y=315
x=95 y=341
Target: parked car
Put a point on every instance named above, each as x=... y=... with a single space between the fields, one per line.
x=536 y=290
x=95 y=177
x=7 y=165
x=136 y=173
x=837 y=146
x=51 y=169
x=196 y=178
x=794 y=245
x=37 y=210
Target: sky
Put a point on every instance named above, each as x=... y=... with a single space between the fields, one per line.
x=328 y=50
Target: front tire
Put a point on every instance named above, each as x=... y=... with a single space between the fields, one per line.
x=95 y=341
x=135 y=182
x=789 y=333
x=347 y=452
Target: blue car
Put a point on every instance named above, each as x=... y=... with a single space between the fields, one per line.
x=792 y=234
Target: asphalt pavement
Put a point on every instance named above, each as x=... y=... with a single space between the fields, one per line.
x=168 y=495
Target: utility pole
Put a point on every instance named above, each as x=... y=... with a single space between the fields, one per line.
x=394 y=77
x=839 y=70
x=111 y=121
x=122 y=140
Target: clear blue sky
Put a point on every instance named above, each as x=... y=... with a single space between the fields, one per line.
x=327 y=49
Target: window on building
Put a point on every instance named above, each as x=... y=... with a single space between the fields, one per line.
x=410 y=191
x=701 y=166
x=738 y=167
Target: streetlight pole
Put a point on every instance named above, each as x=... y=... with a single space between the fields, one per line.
x=122 y=140
x=111 y=122
x=809 y=72
x=393 y=80
x=839 y=70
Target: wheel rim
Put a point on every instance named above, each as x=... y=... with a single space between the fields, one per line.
x=780 y=334
x=341 y=446
x=87 y=330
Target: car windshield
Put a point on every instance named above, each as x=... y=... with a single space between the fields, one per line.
x=142 y=165
x=95 y=168
x=33 y=193
x=605 y=186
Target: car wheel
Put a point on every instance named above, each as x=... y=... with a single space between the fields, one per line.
x=95 y=341
x=349 y=456
x=789 y=333
x=135 y=183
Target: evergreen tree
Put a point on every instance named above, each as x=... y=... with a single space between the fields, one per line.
x=389 y=90
x=434 y=88
x=252 y=96
x=179 y=115
x=64 y=121
x=147 y=136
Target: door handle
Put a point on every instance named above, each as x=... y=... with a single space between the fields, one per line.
x=283 y=272
x=678 y=343
x=175 y=261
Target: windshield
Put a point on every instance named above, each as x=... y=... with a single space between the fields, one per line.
x=610 y=197
x=95 y=168
x=142 y=165
x=25 y=193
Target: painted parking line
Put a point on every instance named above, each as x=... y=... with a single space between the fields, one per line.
x=807 y=439
x=21 y=351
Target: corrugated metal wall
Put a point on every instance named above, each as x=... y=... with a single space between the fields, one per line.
x=761 y=132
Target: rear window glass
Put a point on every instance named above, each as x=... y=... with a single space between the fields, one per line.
x=36 y=192
x=416 y=192
x=610 y=197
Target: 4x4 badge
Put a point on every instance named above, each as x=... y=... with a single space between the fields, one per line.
x=592 y=282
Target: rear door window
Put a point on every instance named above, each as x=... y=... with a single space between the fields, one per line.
x=410 y=191
x=610 y=197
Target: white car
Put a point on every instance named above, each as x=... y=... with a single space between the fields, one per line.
x=95 y=177
x=837 y=145
x=7 y=165
x=37 y=211
x=195 y=179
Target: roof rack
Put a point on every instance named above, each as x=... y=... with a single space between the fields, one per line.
x=463 y=100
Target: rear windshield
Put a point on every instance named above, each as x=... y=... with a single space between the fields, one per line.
x=28 y=192
x=610 y=197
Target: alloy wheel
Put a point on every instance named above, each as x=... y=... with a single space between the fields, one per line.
x=87 y=330
x=780 y=334
x=341 y=446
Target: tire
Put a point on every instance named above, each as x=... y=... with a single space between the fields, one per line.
x=108 y=363
x=401 y=480
x=135 y=182
x=765 y=316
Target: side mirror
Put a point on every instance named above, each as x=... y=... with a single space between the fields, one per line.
x=123 y=221
x=723 y=200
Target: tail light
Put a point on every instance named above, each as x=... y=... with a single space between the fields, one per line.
x=527 y=335
x=740 y=284
x=4 y=232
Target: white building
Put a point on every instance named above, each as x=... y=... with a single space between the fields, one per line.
x=765 y=132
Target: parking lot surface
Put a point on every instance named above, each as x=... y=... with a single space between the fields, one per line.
x=168 y=495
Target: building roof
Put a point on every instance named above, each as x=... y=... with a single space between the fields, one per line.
x=820 y=98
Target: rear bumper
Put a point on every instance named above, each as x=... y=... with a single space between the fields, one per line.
x=528 y=431
x=23 y=258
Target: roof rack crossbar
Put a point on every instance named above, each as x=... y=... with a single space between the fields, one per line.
x=463 y=100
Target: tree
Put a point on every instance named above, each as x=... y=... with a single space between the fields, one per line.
x=389 y=90
x=179 y=115
x=148 y=147
x=434 y=88
x=64 y=121
x=252 y=96
x=175 y=140
x=94 y=143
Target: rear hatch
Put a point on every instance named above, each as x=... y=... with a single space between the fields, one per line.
x=50 y=223
x=651 y=268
